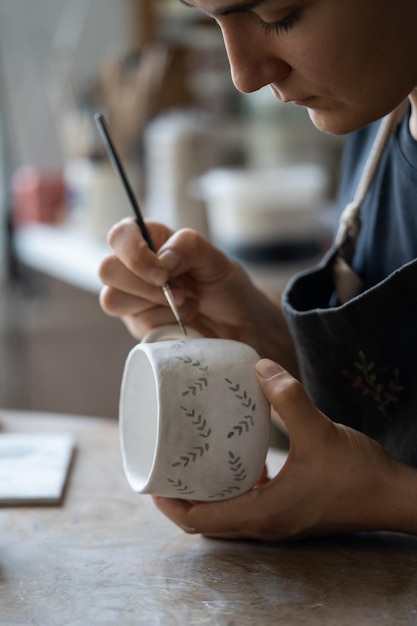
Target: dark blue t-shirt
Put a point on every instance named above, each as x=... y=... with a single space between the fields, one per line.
x=388 y=236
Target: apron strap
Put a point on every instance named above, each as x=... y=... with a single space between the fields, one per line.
x=347 y=282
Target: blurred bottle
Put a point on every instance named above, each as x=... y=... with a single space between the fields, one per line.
x=179 y=147
x=38 y=196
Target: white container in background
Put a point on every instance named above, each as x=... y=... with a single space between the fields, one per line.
x=97 y=199
x=179 y=147
x=251 y=210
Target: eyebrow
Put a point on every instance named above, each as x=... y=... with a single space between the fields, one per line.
x=241 y=7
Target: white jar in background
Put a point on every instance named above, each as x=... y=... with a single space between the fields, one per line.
x=179 y=146
x=272 y=212
x=96 y=197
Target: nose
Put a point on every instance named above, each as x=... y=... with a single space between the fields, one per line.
x=254 y=60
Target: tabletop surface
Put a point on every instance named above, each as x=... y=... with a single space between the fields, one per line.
x=107 y=556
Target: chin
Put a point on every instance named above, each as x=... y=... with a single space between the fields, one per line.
x=333 y=123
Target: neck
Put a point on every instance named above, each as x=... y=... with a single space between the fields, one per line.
x=413 y=118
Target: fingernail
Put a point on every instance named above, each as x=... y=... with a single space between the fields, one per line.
x=170 y=259
x=267 y=368
x=158 y=276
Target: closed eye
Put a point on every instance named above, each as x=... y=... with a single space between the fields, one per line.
x=281 y=26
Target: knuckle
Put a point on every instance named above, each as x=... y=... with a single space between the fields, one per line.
x=114 y=233
x=188 y=232
x=188 y=237
x=291 y=391
x=109 y=301
x=138 y=260
x=120 y=229
x=106 y=268
x=293 y=387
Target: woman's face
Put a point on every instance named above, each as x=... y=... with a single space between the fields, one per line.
x=348 y=61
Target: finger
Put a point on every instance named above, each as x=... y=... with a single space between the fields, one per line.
x=140 y=325
x=186 y=251
x=127 y=242
x=116 y=302
x=234 y=518
x=289 y=399
x=175 y=510
x=119 y=303
x=263 y=479
x=140 y=316
x=114 y=274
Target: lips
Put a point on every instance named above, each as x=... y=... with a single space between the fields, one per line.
x=306 y=102
x=299 y=99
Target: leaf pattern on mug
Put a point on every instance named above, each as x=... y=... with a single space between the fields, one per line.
x=181 y=488
x=239 y=475
x=236 y=466
x=246 y=421
x=192 y=455
x=229 y=491
x=201 y=382
x=204 y=432
x=199 y=422
x=178 y=344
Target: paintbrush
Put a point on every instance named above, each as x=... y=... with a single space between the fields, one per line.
x=115 y=159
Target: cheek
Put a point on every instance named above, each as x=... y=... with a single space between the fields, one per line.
x=326 y=65
x=329 y=50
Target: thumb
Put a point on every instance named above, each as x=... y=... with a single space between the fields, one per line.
x=289 y=399
x=187 y=251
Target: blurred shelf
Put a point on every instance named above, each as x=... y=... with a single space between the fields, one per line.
x=63 y=253
x=74 y=257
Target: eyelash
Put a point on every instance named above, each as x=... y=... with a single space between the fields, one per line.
x=283 y=26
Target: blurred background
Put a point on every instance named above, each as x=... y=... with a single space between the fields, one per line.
x=251 y=174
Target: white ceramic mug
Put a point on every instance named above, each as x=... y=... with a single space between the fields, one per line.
x=194 y=423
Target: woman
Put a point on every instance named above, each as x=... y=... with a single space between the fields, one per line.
x=347 y=329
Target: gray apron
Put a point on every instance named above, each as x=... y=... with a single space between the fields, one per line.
x=357 y=356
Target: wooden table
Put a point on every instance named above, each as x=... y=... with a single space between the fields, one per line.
x=107 y=556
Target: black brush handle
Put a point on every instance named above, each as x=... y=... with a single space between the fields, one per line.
x=115 y=159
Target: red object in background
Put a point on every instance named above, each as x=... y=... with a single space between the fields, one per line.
x=38 y=196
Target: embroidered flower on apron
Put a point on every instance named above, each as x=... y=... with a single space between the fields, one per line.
x=375 y=383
